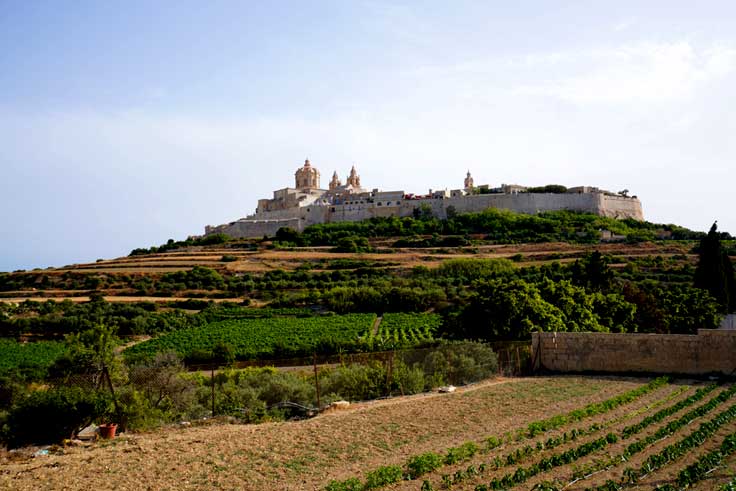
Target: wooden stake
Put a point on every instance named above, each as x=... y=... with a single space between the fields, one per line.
x=316 y=382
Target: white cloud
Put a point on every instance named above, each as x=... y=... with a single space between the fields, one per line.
x=644 y=72
x=625 y=24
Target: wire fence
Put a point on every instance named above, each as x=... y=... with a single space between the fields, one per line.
x=514 y=359
x=448 y=364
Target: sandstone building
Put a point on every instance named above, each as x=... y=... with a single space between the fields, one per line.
x=308 y=204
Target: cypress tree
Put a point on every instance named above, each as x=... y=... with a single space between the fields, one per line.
x=715 y=271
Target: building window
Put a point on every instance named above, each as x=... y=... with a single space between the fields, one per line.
x=379 y=203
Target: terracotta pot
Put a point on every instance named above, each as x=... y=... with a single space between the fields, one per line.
x=108 y=430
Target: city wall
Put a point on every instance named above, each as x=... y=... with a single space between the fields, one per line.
x=710 y=351
x=298 y=218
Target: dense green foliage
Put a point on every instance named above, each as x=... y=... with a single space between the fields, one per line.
x=497 y=225
x=51 y=415
x=715 y=272
x=171 y=244
x=265 y=338
x=405 y=330
x=29 y=361
x=55 y=319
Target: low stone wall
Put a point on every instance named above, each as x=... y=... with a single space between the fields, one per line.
x=710 y=351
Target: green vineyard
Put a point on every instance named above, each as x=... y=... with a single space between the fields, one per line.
x=283 y=337
x=405 y=330
x=29 y=359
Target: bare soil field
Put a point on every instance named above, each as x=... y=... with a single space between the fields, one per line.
x=266 y=259
x=306 y=455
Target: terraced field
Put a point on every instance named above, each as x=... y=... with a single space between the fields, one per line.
x=574 y=433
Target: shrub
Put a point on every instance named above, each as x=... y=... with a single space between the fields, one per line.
x=424 y=463
x=382 y=476
x=48 y=416
x=355 y=382
x=351 y=484
x=459 y=363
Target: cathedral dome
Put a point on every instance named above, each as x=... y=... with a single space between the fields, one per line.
x=307 y=177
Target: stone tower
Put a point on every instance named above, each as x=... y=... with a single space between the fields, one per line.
x=468 y=181
x=307 y=177
x=354 y=178
x=335 y=182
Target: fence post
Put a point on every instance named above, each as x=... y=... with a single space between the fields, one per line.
x=212 y=379
x=316 y=382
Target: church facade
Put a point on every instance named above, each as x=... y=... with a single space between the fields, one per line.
x=307 y=203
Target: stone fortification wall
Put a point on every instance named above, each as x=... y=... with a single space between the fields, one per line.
x=522 y=203
x=254 y=228
x=708 y=352
x=300 y=217
x=620 y=207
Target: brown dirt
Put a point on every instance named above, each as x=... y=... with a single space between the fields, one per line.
x=306 y=455
x=668 y=474
x=264 y=260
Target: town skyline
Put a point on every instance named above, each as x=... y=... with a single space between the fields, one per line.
x=124 y=127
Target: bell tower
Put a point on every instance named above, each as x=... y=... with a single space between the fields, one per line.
x=468 y=181
x=335 y=182
x=354 y=178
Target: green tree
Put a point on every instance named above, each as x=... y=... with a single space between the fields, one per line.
x=505 y=310
x=592 y=272
x=715 y=272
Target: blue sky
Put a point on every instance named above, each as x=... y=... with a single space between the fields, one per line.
x=123 y=124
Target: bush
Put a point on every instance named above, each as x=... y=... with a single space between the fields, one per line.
x=459 y=363
x=382 y=476
x=248 y=394
x=48 y=416
x=355 y=382
x=424 y=463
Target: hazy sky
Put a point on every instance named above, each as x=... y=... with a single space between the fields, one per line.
x=122 y=126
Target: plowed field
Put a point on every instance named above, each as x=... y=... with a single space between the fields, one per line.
x=307 y=455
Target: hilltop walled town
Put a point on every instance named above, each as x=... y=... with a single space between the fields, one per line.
x=307 y=203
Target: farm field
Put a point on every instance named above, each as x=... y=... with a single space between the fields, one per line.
x=253 y=338
x=405 y=258
x=530 y=417
x=27 y=357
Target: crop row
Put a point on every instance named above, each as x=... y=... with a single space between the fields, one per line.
x=663 y=432
x=518 y=455
x=29 y=359
x=659 y=416
x=698 y=470
x=430 y=461
x=522 y=474
x=513 y=458
x=594 y=408
x=671 y=452
x=729 y=486
x=673 y=426
x=629 y=431
x=269 y=337
x=401 y=330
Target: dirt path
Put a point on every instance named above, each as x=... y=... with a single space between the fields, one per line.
x=376 y=324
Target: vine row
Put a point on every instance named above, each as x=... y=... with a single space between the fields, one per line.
x=670 y=453
x=659 y=434
x=698 y=470
x=430 y=461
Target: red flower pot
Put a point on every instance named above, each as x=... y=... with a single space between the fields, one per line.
x=108 y=430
